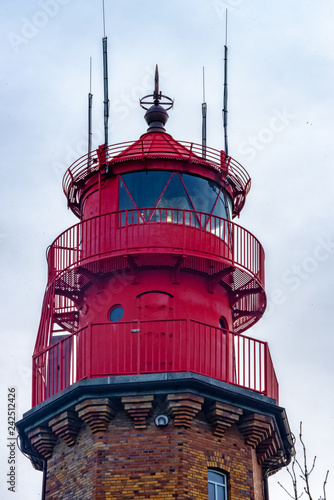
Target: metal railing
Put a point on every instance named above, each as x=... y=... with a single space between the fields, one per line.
x=154 y=230
x=160 y=148
x=109 y=349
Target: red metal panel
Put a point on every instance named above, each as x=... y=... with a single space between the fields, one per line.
x=154 y=347
x=172 y=231
x=155 y=146
x=96 y=237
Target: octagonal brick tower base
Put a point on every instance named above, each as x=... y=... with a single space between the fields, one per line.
x=101 y=441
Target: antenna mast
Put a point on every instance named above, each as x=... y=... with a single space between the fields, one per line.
x=90 y=105
x=204 y=110
x=225 y=91
x=105 y=80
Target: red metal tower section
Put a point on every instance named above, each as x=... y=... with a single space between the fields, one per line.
x=144 y=382
x=155 y=277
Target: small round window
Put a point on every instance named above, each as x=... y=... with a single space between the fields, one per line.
x=223 y=323
x=116 y=313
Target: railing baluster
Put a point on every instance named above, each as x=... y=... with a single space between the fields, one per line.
x=245 y=250
x=70 y=359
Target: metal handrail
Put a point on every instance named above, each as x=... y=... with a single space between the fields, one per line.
x=179 y=345
x=137 y=229
x=88 y=164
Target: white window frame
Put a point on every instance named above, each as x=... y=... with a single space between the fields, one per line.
x=218 y=484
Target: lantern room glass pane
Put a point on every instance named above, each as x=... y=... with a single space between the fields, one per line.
x=203 y=193
x=175 y=195
x=125 y=201
x=229 y=206
x=220 y=208
x=145 y=187
x=172 y=190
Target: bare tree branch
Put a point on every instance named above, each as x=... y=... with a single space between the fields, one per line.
x=293 y=477
x=324 y=486
x=304 y=473
x=286 y=491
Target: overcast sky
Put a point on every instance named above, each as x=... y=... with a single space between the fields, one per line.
x=281 y=68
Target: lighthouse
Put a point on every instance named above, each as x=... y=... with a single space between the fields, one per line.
x=147 y=382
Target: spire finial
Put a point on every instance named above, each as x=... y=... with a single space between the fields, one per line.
x=156 y=106
x=156 y=94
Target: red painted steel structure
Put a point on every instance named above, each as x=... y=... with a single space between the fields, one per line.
x=99 y=350
x=157 y=146
x=156 y=277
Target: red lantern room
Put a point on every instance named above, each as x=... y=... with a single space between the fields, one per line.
x=156 y=279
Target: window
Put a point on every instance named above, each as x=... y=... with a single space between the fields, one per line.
x=161 y=189
x=217 y=483
x=116 y=313
x=223 y=323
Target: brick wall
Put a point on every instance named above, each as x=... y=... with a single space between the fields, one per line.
x=130 y=457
